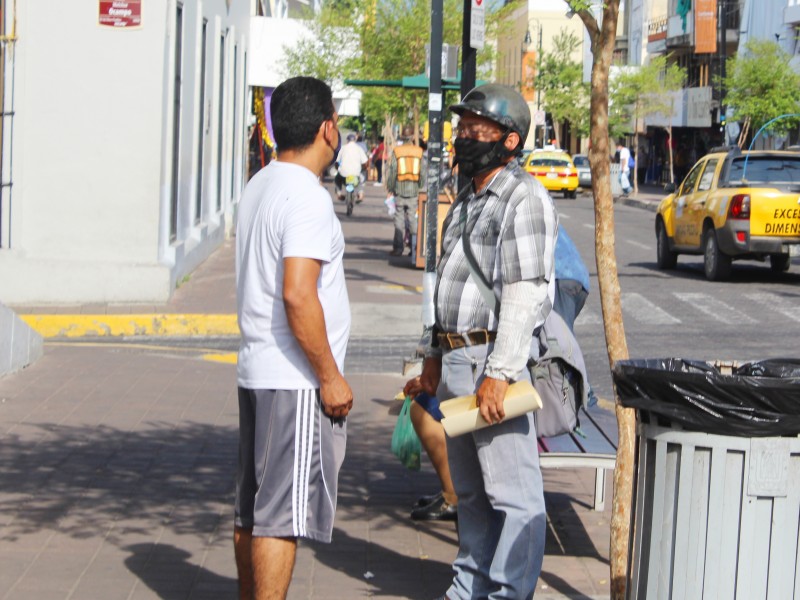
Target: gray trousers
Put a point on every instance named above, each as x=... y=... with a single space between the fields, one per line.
x=501 y=511
x=399 y=219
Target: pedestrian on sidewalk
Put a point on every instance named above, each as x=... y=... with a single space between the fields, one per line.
x=624 y=167
x=501 y=231
x=378 y=157
x=294 y=317
x=405 y=179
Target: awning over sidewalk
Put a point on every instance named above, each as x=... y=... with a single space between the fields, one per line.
x=411 y=82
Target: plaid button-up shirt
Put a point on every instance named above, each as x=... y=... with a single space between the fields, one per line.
x=512 y=226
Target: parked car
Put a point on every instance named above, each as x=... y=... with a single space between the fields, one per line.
x=733 y=205
x=555 y=170
x=581 y=162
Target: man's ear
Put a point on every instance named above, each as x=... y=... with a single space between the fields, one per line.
x=512 y=141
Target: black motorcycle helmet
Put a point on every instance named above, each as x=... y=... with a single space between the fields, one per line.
x=501 y=104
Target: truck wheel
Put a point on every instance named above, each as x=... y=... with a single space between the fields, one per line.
x=717 y=264
x=666 y=258
x=779 y=262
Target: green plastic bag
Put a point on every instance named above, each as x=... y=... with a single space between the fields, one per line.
x=405 y=442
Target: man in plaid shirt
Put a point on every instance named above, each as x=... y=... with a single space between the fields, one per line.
x=511 y=228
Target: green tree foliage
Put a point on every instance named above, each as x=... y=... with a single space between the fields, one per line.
x=330 y=50
x=761 y=85
x=566 y=95
x=387 y=41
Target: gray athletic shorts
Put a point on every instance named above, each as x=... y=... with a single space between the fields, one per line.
x=290 y=453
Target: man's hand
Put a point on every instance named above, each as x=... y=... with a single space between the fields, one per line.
x=431 y=375
x=336 y=397
x=490 y=400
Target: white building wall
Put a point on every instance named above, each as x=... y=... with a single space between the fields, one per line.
x=92 y=148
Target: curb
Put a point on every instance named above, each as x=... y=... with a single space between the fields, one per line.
x=651 y=205
x=153 y=325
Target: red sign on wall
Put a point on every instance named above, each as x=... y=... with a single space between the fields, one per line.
x=120 y=13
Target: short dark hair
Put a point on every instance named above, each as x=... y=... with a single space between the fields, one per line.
x=298 y=107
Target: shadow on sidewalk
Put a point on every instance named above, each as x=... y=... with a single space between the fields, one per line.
x=82 y=481
x=168 y=572
x=384 y=571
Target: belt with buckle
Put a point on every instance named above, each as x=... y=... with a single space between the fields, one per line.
x=476 y=337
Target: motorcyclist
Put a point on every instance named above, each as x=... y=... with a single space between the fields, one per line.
x=352 y=160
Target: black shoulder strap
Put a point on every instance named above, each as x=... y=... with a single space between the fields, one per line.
x=484 y=287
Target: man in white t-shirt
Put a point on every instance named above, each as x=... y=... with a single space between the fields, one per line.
x=624 y=167
x=294 y=317
x=352 y=160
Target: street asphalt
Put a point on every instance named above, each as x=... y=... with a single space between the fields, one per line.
x=119 y=451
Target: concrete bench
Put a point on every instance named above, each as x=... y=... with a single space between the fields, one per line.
x=594 y=445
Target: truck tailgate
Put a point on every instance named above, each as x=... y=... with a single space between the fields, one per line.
x=775 y=213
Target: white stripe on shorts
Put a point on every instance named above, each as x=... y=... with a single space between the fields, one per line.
x=303 y=447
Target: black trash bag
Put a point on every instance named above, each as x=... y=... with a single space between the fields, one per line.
x=757 y=399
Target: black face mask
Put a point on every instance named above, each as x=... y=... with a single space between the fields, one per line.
x=474 y=156
x=337 y=148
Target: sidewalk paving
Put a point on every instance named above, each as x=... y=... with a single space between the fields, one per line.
x=117 y=476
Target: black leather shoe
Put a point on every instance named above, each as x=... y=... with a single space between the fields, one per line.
x=439 y=510
x=429 y=499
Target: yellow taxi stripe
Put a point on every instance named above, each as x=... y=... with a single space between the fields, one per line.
x=161 y=325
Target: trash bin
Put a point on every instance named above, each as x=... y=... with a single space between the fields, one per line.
x=717 y=488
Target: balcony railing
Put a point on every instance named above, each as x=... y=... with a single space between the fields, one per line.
x=657 y=29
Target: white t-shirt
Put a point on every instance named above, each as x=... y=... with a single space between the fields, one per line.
x=624 y=159
x=285 y=212
x=350 y=159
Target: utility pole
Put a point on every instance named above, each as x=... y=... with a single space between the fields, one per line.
x=435 y=110
x=468 y=53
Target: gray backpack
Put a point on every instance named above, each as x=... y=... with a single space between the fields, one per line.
x=558 y=373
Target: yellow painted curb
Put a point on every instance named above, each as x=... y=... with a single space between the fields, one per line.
x=160 y=325
x=226 y=357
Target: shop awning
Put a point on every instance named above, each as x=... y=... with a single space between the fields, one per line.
x=411 y=82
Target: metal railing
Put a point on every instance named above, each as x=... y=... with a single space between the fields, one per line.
x=657 y=28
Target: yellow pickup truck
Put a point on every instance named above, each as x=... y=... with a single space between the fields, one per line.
x=733 y=205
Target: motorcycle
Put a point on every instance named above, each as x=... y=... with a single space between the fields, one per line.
x=350 y=186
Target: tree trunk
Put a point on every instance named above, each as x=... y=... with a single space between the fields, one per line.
x=671 y=157
x=603 y=39
x=388 y=138
x=745 y=131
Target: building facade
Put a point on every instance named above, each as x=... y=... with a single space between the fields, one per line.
x=701 y=36
x=123 y=144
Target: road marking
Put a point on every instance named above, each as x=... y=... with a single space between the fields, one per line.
x=774 y=302
x=564 y=216
x=644 y=311
x=403 y=290
x=639 y=245
x=589 y=225
x=587 y=317
x=714 y=308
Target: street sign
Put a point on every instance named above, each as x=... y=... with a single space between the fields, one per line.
x=477 y=25
x=120 y=14
x=538 y=117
